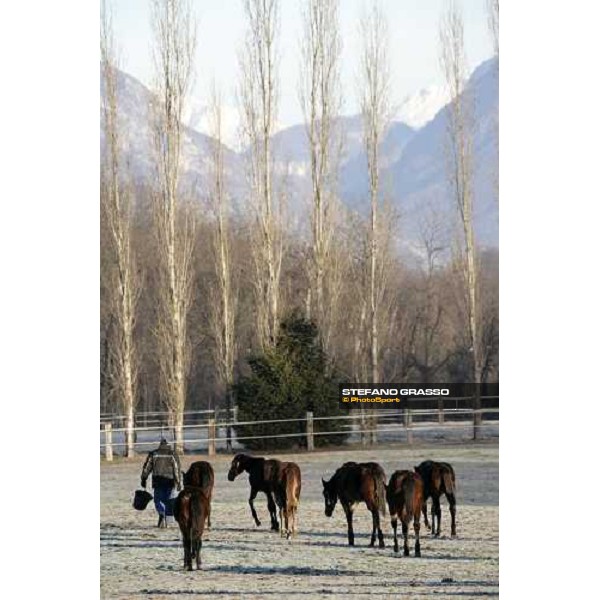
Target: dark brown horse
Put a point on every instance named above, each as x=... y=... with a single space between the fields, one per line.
x=438 y=478
x=405 y=499
x=201 y=475
x=191 y=510
x=264 y=476
x=287 y=496
x=353 y=483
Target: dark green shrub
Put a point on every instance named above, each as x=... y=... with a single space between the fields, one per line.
x=285 y=382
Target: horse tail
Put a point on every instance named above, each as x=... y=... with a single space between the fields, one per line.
x=449 y=482
x=409 y=497
x=292 y=485
x=195 y=516
x=380 y=492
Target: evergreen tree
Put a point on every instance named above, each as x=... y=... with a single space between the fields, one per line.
x=285 y=382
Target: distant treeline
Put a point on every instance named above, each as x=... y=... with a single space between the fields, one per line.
x=422 y=338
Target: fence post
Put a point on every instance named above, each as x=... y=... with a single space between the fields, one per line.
x=373 y=429
x=212 y=434
x=408 y=425
x=108 y=449
x=363 y=427
x=310 y=437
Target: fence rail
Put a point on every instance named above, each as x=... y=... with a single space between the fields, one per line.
x=366 y=427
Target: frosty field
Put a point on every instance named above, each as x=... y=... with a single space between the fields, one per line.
x=239 y=560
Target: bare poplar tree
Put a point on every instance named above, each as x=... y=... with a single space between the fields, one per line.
x=224 y=297
x=376 y=113
x=258 y=94
x=174 y=46
x=430 y=354
x=494 y=23
x=320 y=97
x=494 y=27
x=116 y=205
x=460 y=172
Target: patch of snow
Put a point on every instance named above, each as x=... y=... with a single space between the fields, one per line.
x=419 y=108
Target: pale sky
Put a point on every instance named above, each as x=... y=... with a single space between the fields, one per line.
x=413 y=45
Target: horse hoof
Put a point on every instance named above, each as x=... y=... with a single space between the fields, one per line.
x=417 y=554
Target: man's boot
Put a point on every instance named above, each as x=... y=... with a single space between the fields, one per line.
x=161 y=520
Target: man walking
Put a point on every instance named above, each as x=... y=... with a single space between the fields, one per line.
x=164 y=465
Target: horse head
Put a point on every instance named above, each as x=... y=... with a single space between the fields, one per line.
x=238 y=464
x=330 y=495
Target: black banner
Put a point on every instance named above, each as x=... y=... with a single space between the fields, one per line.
x=410 y=395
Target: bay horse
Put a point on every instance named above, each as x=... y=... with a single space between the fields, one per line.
x=438 y=478
x=287 y=496
x=191 y=509
x=404 y=494
x=264 y=476
x=353 y=483
x=201 y=475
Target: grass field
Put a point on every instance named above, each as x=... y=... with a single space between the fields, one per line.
x=239 y=560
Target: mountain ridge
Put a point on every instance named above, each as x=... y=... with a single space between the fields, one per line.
x=413 y=164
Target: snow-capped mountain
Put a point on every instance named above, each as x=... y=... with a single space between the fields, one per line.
x=134 y=105
x=413 y=159
x=197 y=117
x=419 y=177
x=418 y=109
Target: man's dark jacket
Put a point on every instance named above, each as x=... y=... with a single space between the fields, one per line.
x=164 y=465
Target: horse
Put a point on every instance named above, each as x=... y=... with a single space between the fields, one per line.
x=202 y=476
x=353 y=483
x=264 y=475
x=404 y=494
x=438 y=478
x=287 y=496
x=191 y=509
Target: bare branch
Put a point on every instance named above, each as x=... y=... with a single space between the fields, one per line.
x=174 y=46
x=116 y=206
x=258 y=96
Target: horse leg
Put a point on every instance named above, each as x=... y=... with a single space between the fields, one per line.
x=187 y=552
x=286 y=514
x=417 y=527
x=433 y=514
x=404 y=520
x=253 y=493
x=379 y=532
x=208 y=513
x=374 y=531
x=294 y=525
x=272 y=511
x=281 y=531
x=198 y=549
x=452 y=502
x=438 y=510
x=424 y=509
x=348 y=512
x=395 y=528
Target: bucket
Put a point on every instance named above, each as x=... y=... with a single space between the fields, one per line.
x=141 y=499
